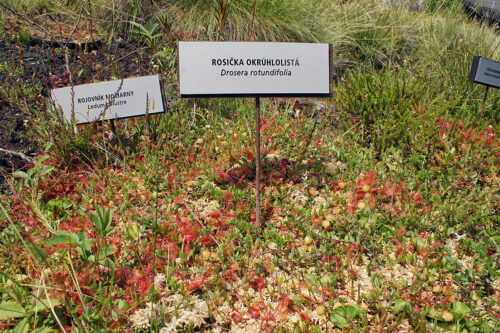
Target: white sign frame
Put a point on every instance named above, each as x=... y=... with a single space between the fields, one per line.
x=129 y=97
x=254 y=69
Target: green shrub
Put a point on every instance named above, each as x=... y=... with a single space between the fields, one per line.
x=386 y=103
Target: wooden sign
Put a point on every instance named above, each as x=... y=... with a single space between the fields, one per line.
x=485 y=71
x=254 y=69
x=110 y=100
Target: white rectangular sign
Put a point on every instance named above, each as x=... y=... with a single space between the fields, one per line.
x=110 y=100
x=254 y=69
x=485 y=71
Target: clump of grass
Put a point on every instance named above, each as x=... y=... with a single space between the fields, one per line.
x=283 y=20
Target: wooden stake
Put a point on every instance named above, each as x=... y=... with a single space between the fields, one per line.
x=257 y=162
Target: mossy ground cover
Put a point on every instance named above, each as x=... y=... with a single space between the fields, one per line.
x=380 y=209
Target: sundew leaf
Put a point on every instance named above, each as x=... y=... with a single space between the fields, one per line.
x=10 y=310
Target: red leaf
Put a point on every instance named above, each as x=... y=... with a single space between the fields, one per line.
x=250 y=156
x=284 y=303
x=234 y=267
x=229 y=274
x=330 y=259
x=207 y=240
x=195 y=284
x=189 y=236
x=228 y=196
x=236 y=317
x=258 y=283
x=215 y=214
x=254 y=312
x=304 y=317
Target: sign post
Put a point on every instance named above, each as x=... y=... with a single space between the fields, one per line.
x=254 y=69
x=484 y=101
x=486 y=72
x=257 y=162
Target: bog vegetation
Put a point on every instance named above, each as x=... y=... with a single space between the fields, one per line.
x=380 y=205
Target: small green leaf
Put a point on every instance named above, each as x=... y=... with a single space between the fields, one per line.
x=338 y=320
x=43 y=304
x=36 y=252
x=434 y=314
x=345 y=313
x=47 y=169
x=22 y=327
x=107 y=262
x=460 y=310
x=106 y=252
x=44 y=329
x=133 y=231
x=64 y=237
x=84 y=241
x=108 y=217
x=97 y=224
x=20 y=174
x=400 y=305
x=20 y=277
x=312 y=279
x=10 y=310
x=41 y=160
x=350 y=310
x=385 y=229
x=298 y=300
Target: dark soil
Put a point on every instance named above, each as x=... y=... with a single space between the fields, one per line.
x=38 y=66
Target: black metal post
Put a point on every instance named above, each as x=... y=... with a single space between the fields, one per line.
x=257 y=162
x=484 y=102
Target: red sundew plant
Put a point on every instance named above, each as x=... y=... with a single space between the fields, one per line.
x=163 y=234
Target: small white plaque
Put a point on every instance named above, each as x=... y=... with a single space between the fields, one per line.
x=110 y=100
x=254 y=69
